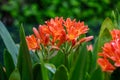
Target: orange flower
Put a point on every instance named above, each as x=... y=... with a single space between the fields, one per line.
x=105 y=65
x=74 y=29
x=84 y=39
x=41 y=35
x=57 y=31
x=115 y=34
x=111 y=50
x=32 y=42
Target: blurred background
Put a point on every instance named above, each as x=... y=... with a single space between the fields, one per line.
x=34 y=12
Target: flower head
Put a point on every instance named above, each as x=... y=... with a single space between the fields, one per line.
x=111 y=50
x=57 y=31
x=105 y=65
x=74 y=29
x=32 y=42
x=115 y=34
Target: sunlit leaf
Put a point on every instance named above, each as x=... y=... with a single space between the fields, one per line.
x=50 y=67
x=104 y=35
x=9 y=43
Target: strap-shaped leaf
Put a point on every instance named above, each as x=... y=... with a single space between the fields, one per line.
x=97 y=75
x=61 y=73
x=8 y=62
x=9 y=43
x=104 y=36
x=15 y=75
x=43 y=69
x=24 y=60
x=79 y=68
x=37 y=72
x=50 y=67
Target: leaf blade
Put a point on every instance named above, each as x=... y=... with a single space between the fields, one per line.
x=9 y=43
x=79 y=68
x=61 y=73
x=24 y=60
x=8 y=62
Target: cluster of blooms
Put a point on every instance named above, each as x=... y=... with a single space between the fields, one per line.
x=110 y=57
x=57 y=31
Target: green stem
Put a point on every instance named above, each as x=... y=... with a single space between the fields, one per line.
x=66 y=63
x=44 y=70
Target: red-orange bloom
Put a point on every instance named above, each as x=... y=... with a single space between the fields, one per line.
x=105 y=65
x=32 y=42
x=111 y=50
x=57 y=31
x=74 y=29
x=41 y=35
x=115 y=34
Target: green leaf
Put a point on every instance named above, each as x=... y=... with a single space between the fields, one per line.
x=9 y=43
x=97 y=74
x=15 y=75
x=34 y=58
x=58 y=59
x=116 y=18
x=104 y=35
x=79 y=68
x=43 y=69
x=8 y=62
x=61 y=73
x=37 y=73
x=2 y=73
x=50 y=67
x=24 y=60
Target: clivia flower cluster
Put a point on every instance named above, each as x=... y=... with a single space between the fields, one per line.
x=110 y=56
x=57 y=31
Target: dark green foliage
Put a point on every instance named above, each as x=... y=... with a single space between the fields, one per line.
x=24 y=61
x=61 y=73
x=58 y=59
x=80 y=67
x=3 y=75
x=15 y=75
x=37 y=73
x=116 y=74
x=97 y=75
x=8 y=62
